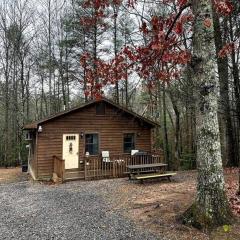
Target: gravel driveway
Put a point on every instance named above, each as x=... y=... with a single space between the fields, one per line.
x=74 y=210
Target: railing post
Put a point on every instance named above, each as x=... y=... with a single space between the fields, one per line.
x=85 y=169
x=114 y=165
x=63 y=170
x=59 y=168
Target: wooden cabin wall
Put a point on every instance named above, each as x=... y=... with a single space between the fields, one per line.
x=110 y=128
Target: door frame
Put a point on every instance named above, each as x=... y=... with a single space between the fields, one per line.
x=78 y=155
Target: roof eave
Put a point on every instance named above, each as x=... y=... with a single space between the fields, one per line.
x=34 y=125
x=30 y=127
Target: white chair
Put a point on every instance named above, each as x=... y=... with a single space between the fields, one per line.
x=134 y=151
x=106 y=156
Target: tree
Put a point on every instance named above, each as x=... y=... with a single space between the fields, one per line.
x=211 y=207
x=15 y=61
x=225 y=120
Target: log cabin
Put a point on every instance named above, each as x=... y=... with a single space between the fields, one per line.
x=94 y=140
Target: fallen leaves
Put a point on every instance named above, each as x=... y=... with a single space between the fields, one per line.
x=232 y=189
x=207 y=22
x=155 y=205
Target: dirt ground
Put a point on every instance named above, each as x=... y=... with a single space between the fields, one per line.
x=8 y=175
x=156 y=206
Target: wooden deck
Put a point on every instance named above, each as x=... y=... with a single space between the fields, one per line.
x=95 y=168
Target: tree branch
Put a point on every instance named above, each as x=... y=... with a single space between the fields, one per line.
x=176 y=18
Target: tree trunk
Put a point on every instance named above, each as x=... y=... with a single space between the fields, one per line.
x=84 y=69
x=236 y=84
x=126 y=74
x=211 y=207
x=177 y=138
x=50 y=57
x=6 y=111
x=115 y=50
x=177 y=133
x=228 y=143
x=165 y=130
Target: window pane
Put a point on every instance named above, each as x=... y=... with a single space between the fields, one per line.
x=90 y=149
x=94 y=138
x=128 y=147
x=89 y=138
x=128 y=139
x=95 y=149
x=128 y=142
x=91 y=144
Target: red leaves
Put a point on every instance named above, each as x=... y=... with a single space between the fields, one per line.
x=157 y=46
x=117 y=2
x=155 y=23
x=207 y=22
x=179 y=28
x=224 y=7
x=163 y=76
x=129 y=53
x=227 y=49
x=177 y=57
x=231 y=189
x=234 y=199
x=86 y=93
x=97 y=4
x=98 y=9
x=144 y=28
x=131 y=3
x=182 y=3
x=162 y=50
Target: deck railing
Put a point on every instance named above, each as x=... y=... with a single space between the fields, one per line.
x=116 y=165
x=59 y=168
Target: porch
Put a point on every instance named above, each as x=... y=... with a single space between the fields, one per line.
x=94 y=167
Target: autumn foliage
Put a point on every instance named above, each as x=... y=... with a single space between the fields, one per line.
x=162 y=56
x=231 y=187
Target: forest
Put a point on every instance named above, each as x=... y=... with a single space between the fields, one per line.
x=173 y=61
x=61 y=53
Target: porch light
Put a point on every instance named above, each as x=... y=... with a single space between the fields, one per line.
x=81 y=134
x=40 y=129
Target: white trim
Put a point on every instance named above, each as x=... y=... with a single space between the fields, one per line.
x=31 y=172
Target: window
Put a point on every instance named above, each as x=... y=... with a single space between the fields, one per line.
x=28 y=136
x=100 y=108
x=128 y=142
x=70 y=138
x=91 y=144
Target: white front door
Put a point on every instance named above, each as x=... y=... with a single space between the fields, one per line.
x=70 y=150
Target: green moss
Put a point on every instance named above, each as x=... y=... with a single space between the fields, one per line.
x=201 y=219
x=194 y=217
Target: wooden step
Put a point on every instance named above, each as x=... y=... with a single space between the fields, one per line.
x=74 y=170
x=73 y=179
x=74 y=175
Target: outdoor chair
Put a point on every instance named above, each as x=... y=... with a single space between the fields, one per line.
x=133 y=152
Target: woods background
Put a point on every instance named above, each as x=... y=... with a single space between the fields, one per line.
x=52 y=53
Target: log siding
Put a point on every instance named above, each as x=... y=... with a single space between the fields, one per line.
x=111 y=127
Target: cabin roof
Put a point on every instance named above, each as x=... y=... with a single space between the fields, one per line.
x=34 y=125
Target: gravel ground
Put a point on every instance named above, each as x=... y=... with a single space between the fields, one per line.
x=74 y=210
